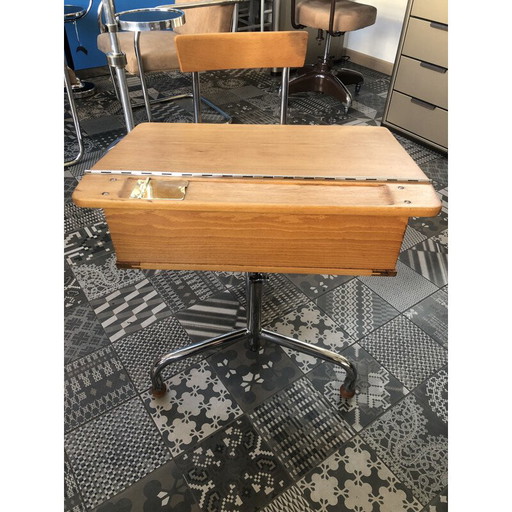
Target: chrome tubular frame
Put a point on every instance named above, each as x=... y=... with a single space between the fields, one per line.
x=117 y=60
x=74 y=115
x=255 y=335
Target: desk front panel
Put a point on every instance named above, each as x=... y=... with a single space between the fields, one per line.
x=256 y=242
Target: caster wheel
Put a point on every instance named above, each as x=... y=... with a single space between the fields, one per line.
x=160 y=392
x=345 y=393
x=358 y=88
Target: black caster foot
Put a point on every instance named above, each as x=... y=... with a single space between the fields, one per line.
x=158 y=388
x=357 y=88
x=347 y=393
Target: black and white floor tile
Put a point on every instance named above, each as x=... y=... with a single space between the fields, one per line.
x=241 y=430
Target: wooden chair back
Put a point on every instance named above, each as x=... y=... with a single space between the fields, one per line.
x=241 y=50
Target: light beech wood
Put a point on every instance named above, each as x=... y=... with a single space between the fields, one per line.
x=261 y=225
x=241 y=50
x=277 y=150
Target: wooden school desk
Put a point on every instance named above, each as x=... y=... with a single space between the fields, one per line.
x=258 y=199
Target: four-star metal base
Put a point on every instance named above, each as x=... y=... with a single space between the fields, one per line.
x=255 y=336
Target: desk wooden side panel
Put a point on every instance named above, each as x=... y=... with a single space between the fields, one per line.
x=259 y=242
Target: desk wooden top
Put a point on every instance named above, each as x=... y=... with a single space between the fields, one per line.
x=280 y=151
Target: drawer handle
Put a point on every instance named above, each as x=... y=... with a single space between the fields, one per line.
x=423 y=104
x=440 y=26
x=433 y=67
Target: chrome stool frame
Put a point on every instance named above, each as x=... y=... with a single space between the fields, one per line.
x=72 y=14
x=255 y=335
x=124 y=23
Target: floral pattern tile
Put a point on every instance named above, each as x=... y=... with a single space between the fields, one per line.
x=300 y=426
x=355 y=479
x=434 y=393
x=104 y=278
x=314 y=285
x=310 y=324
x=406 y=351
x=356 y=308
x=233 y=470
x=251 y=377
x=376 y=388
x=413 y=443
x=73 y=293
x=439 y=503
x=195 y=406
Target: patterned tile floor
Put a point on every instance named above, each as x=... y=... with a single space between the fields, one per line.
x=244 y=431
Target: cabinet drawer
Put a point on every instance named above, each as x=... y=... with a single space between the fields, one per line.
x=434 y=10
x=422 y=80
x=427 y=41
x=425 y=121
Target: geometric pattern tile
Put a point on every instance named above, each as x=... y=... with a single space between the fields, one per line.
x=195 y=406
x=219 y=314
x=77 y=218
x=291 y=500
x=431 y=315
x=182 y=289
x=114 y=450
x=88 y=244
x=138 y=351
x=414 y=445
x=314 y=285
x=434 y=393
x=279 y=297
x=436 y=169
x=163 y=490
x=94 y=384
x=406 y=351
x=376 y=388
x=234 y=470
x=429 y=259
x=356 y=308
x=310 y=325
x=101 y=279
x=411 y=238
x=300 y=426
x=252 y=377
x=72 y=499
x=356 y=479
x=125 y=311
x=83 y=333
x=402 y=291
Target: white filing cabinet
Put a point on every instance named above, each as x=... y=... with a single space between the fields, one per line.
x=417 y=103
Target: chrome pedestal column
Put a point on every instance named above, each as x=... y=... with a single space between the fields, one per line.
x=255 y=336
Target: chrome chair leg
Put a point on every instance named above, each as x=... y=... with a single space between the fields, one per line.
x=254 y=334
x=74 y=115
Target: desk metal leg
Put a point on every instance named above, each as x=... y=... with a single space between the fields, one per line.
x=255 y=335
